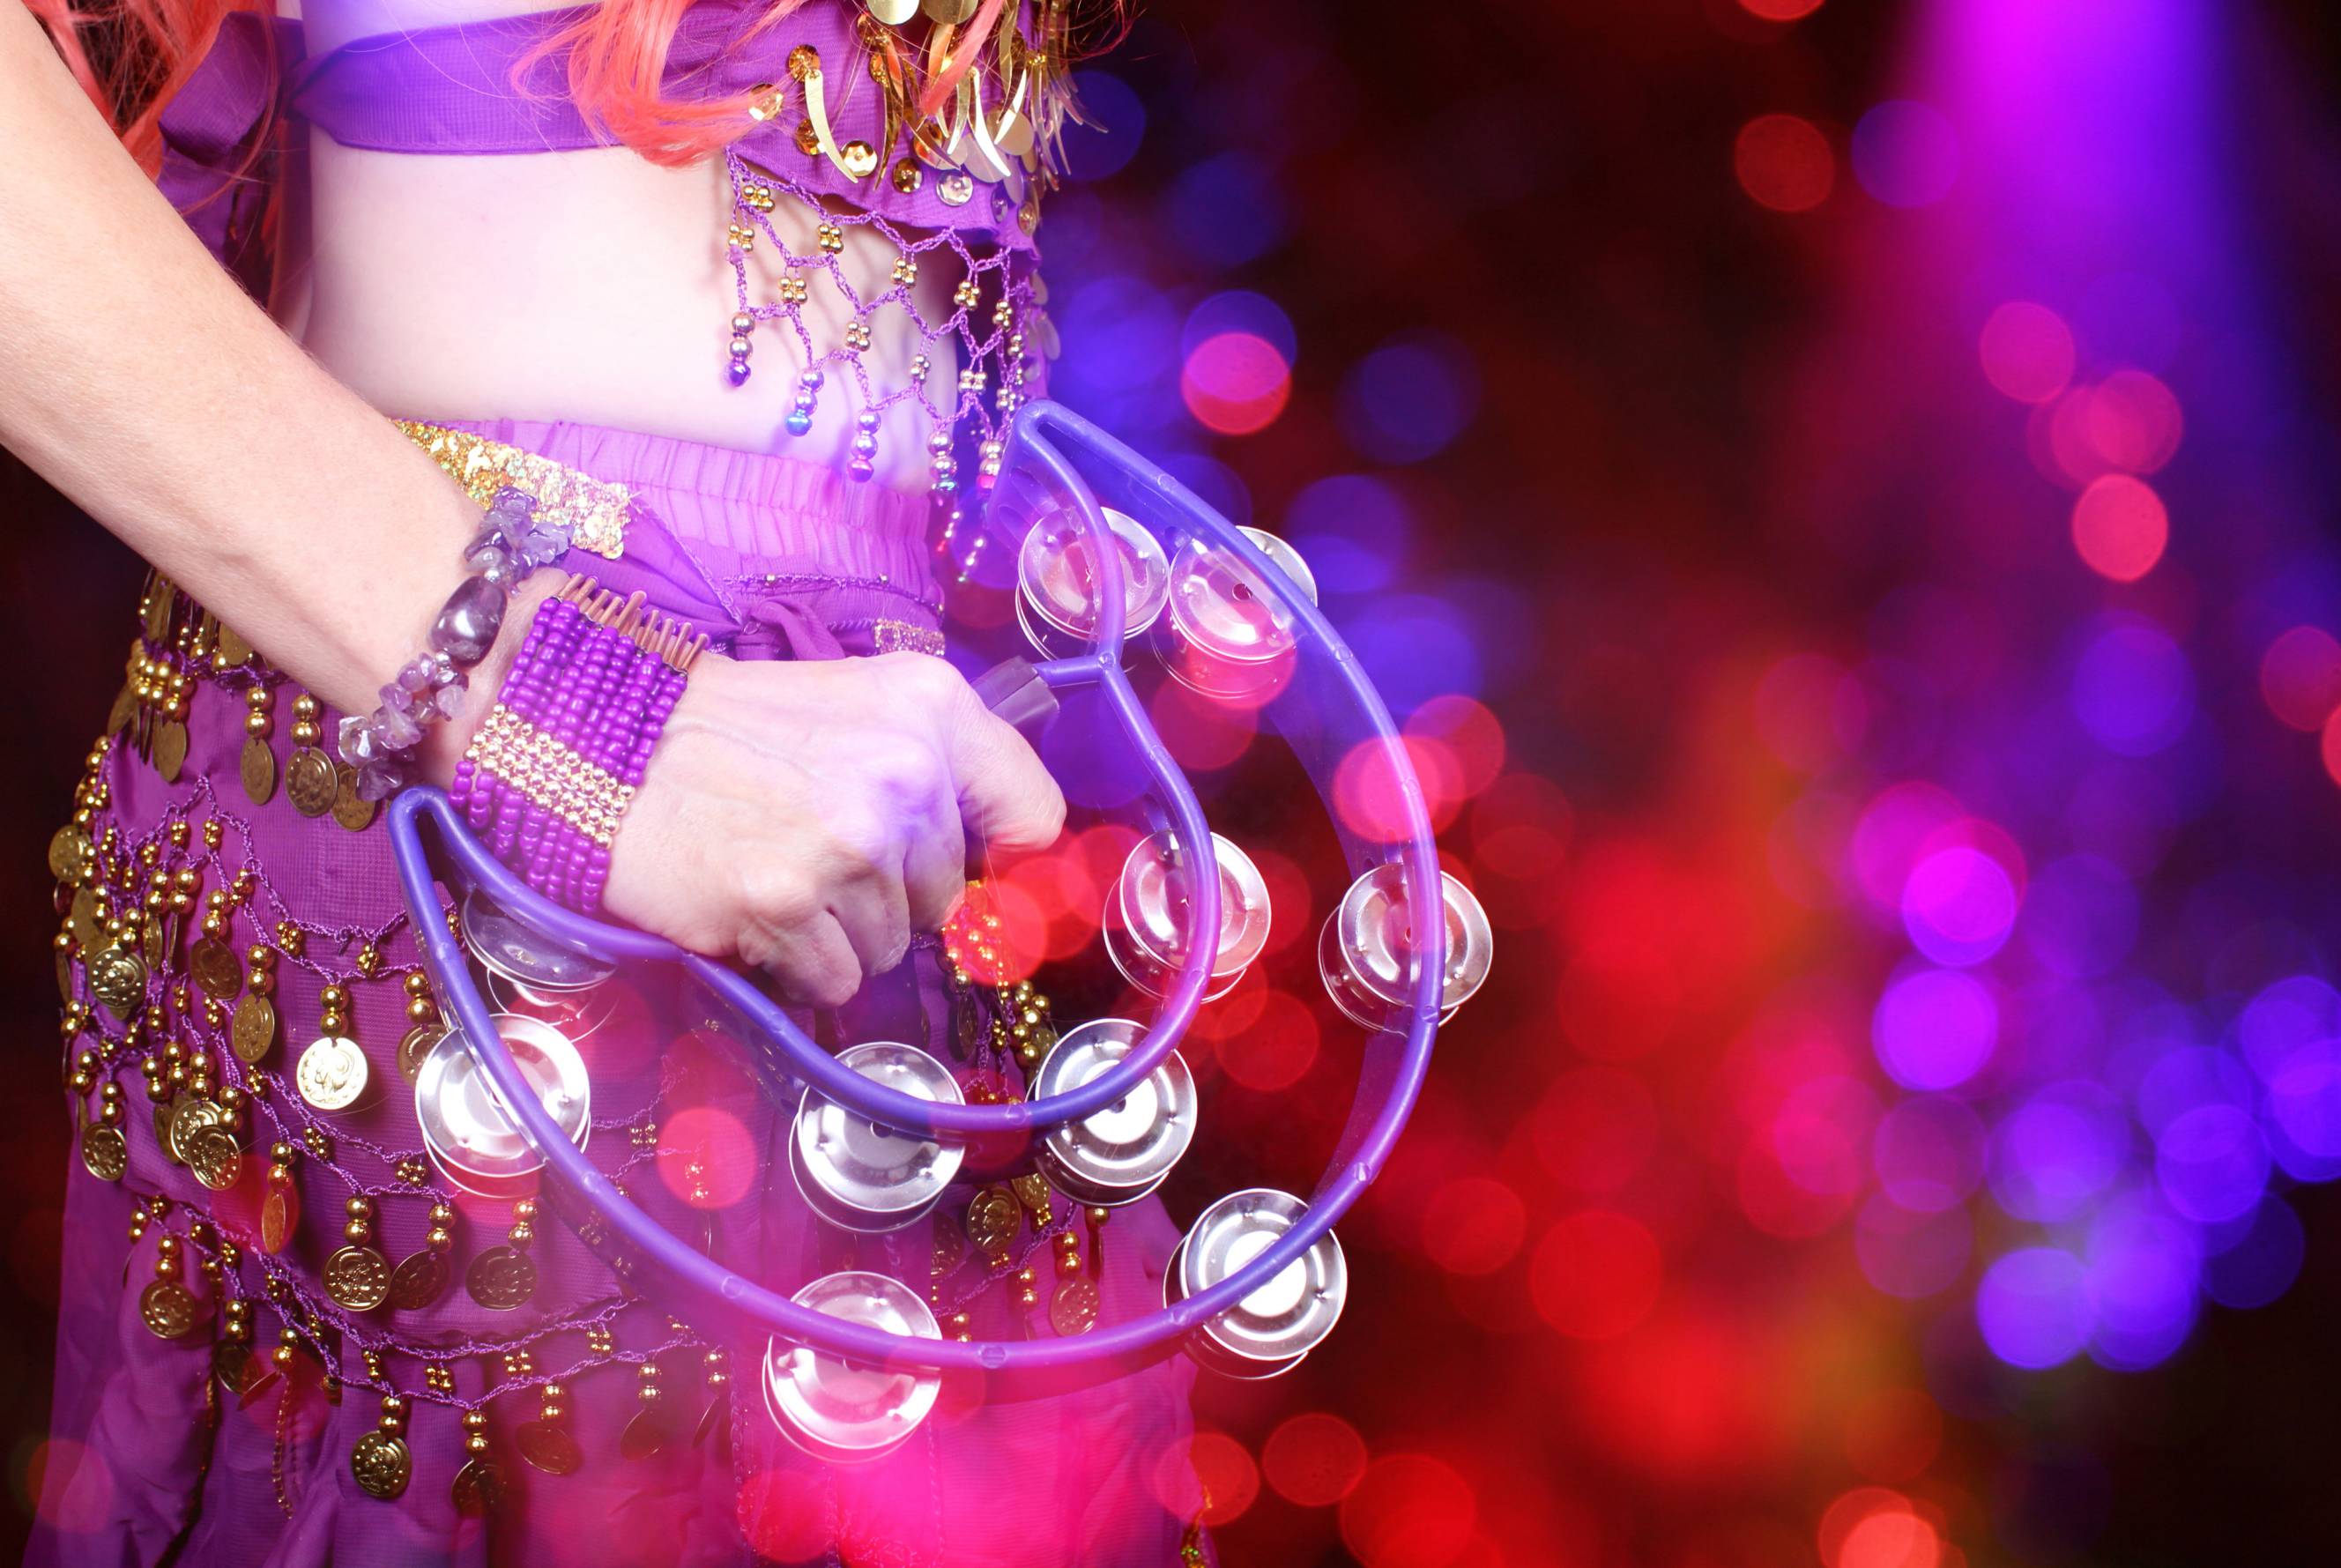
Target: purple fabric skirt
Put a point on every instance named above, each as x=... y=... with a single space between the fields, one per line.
x=158 y=1457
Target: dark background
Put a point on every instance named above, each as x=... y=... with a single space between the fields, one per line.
x=1634 y=522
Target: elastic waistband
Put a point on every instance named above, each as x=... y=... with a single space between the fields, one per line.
x=758 y=507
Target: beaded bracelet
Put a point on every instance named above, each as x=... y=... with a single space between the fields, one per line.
x=551 y=771
x=512 y=542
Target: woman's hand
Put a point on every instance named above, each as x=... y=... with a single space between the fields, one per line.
x=805 y=817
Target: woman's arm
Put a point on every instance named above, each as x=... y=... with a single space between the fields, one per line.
x=802 y=817
x=137 y=379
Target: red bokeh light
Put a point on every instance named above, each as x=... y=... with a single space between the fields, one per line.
x=1595 y=1275
x=1369 y=787
x=1871 y=1527
x=1473 y=737
x=1276 y=1050
x=1201 y=732
x=1780 y=10
x=706 y=1157
x=1220 y=1466
x=2134 y=420
x=1410 y=1511
x=1473 y=1225
x=1784 y=163
x=2300 y=677
x=1892 y=1435
x=1235 y=382
x=1314 y=1460
x=781 y=1512
x=2119 y=527
x=1594 y=1129
x=2027 y=350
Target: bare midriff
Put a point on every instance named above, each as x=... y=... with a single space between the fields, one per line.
x=590 y=285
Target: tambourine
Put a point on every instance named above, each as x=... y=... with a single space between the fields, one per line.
x=854 y=1359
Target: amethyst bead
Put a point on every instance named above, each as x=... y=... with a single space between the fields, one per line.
x=468 y=623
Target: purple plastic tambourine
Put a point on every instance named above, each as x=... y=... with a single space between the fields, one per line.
x=1259 y=1278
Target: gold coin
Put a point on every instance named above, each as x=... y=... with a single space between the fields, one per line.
x=358 y=1278
x=213 y=964
x=156 y=617
x=952 y=12
x=500 y=1279
x=65 y=975
x=85 y=928
x=993 y=1219
x=168 y=1308
x=124 y=709
x=117 y=977
x=1074 y=1308
x=479 y=1486
x=233 y=649
x=257 y=766
x=351 y=809
x=310 y=782
x=645 y=1436
x=950 y=1247
x=547 y=1445
x=968 y=1021
x=215 y=1158
x=163 y=1113
x=153 y=942
x=238 y=1370
x=415 y=1045
x=893 y=13
x=104 y=1151
x=253 y=1028
x=189 y=1116
x=1031 y=1190
x=71 y=855
x=280 y=1211
x=170 y=749
x=711 y=1419
x=332 y=1072
x=380 y=1464
x=419 y=1281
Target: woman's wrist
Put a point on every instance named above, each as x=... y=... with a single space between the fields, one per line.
x=443 y=745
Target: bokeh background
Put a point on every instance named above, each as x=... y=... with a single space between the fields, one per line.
x=1839 y=494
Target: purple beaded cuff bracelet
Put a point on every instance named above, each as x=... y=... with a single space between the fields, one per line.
x=547 y=777
x=512 y=542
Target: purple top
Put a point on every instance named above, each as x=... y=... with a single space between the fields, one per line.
x=449 y=90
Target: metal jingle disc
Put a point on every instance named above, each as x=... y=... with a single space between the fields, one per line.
x=419 y=1281
x=893 y=13
x=645 y=1436
x=105 y=1151
x=507 y=946
x=65 y=975
x=1120 y=1153
x=1227 y=611
x=500 y=1279
x=351 y=809
x=189 y=1116
x=867 y=1178
x=252 y=1033
x=547 y=1445
x=380 y=1465
x=1269 y=1331
x=232 y=650
x=1057 y=575
x=1073 y=1308
x=464 y=1127
x=847 y=1412
x=577 y=1013
x=87 y=931
x=1365 y=951
x=1146 y=931
x=239 y=1371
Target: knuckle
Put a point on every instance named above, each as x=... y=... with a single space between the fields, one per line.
x=774 y=892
